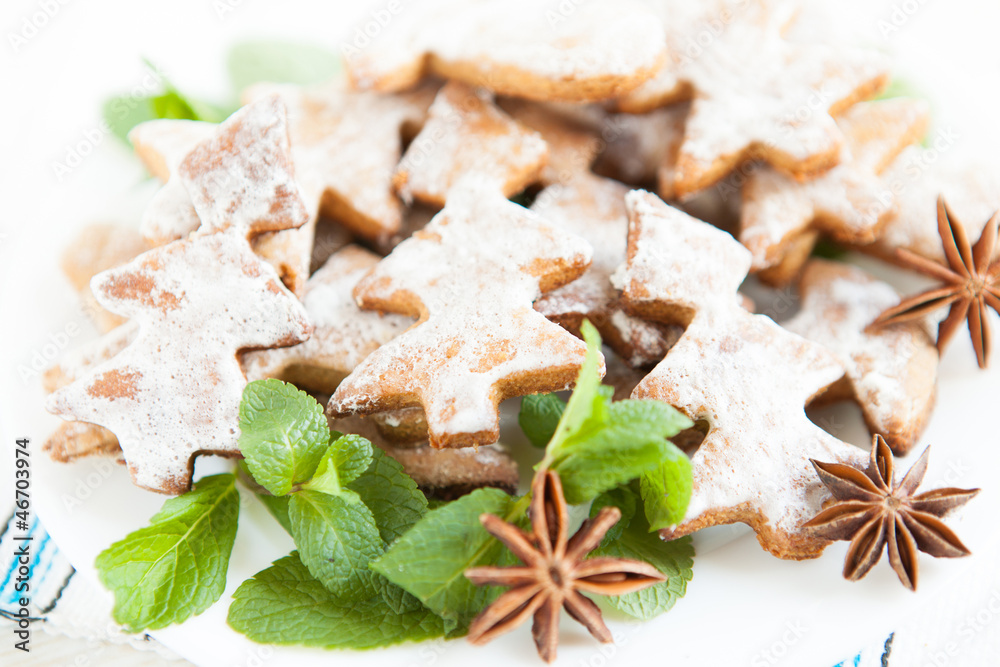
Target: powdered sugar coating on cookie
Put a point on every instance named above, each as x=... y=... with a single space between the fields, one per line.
x=850 y=202
x=892 y=371
x=516 y=47
x=755 y=94
x=919 y=176
x=344 y=334
x=175 y=390
x=162 y=145
x=742 y=373
x=470 y=277
x=464 y=134
x=346 y=146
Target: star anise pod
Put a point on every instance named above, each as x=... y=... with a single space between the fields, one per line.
x=554 y=573
x=871 y=510
x=971 y=283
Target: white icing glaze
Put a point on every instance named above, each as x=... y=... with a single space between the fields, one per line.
x=748 y=377
x=471 y=275
x=344 y=334
x=587 y=53
x=850 y=201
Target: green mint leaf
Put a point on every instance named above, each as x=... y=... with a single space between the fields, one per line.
x=674 y=559
x=630 y=442
x=279 y=62
x=587 y=403
x=625 y=500
x=283 y=434
x=122 y=113
x=539 y=417
x=176 y=567
x=429 y=561
x=284 y=604
x=666 y=491
x=337 y=540
x=391 y=495
x=278 y=507
x=353 y=457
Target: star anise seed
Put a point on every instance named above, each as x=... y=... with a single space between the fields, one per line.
x=555 y=573
x=971 y=284
x=871 y=510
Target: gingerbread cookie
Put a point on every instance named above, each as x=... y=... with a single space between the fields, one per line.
x=521 y=48
x=75 y=440
x=470 y=277
x=343 y=334
x=918 y=177
x=466 y=133
x=593 y=208
x=756 y=95
x=345 y=146
x=891 y=371
x=849 y=203
x=748 y=378
x=196 y=303
x=97 y=248
x=162 y=145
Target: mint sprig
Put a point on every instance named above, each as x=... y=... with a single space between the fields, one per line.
x=283 y=434
x=599 y=444
x=284 y=604
x=176 y=567
x=279 y=62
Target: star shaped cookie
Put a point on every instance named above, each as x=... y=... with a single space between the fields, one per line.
x=343 y=333
x=470 y=277
x=891 y=371
x=849 y=203
x=919 y=176
x=197 y=302
x=591 y=51
x=593 y=208
x=755 y=95
x=467 y=133
x=742 y=373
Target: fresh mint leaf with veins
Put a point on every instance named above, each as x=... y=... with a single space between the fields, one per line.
x=429 y=561
x=347 y=457
x=284 y=604
x=176 y=567
x=634 y=540
x=391 y=495
x=666 y=491
x=337 y=539
x=539 y=417
x=600 y=444
x=283 y=434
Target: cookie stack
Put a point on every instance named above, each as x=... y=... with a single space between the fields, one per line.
x=424 y=239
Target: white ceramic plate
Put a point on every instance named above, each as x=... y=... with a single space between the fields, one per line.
x=743 y=606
